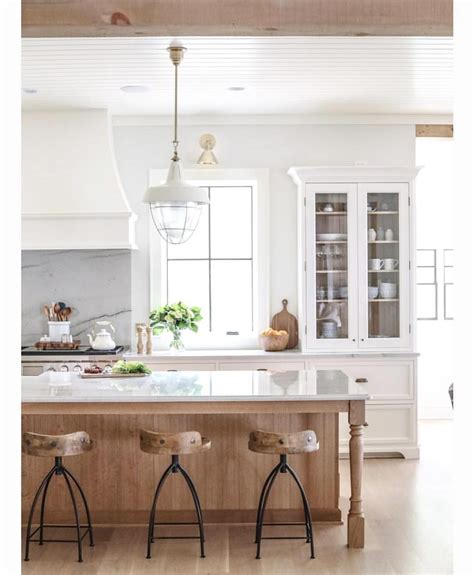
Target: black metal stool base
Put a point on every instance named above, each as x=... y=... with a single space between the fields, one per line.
x=59 y=469
x=282 y=467
x=175 y=467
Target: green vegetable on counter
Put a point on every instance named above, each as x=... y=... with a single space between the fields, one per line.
x=130 y=367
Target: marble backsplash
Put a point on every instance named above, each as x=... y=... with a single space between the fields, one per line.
x=96 y=284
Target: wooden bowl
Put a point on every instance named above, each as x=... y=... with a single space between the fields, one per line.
x=274 y=342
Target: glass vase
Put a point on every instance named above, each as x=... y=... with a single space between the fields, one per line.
x=176 y=344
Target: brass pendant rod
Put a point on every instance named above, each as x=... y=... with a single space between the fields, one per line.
x=175 y=141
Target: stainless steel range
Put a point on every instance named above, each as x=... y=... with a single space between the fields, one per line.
x=34 y=361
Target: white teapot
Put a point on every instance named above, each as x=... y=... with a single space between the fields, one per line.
x=102 y=340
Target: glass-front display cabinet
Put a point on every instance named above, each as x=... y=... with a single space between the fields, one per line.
x=356 y=287
x=384 y=319
x=332 y=243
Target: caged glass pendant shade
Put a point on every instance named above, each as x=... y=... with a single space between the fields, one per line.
x=175 y=206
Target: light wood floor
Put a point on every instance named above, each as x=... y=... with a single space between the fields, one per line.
x=408 y=530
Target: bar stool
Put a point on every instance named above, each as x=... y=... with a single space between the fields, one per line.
x=282 y=444
x=58 y=446
x=174 y=444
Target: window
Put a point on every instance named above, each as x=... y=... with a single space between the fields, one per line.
x=223 y=267
x=448 y=283
x=427 y=285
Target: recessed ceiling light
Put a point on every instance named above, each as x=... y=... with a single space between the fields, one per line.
x=29 y=91
x=135 y=89
x=236 y=88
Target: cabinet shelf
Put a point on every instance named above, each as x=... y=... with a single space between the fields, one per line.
x=331 y=242
x=383 y=242
x=331 y=301
x=387 y=213
x=383 y=271
x=382 y=300
x=331 y=213
x=331 y=271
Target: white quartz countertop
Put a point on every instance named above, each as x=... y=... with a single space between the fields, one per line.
x=204 y=386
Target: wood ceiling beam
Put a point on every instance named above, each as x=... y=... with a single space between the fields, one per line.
x=434 y=131
x=95 y=18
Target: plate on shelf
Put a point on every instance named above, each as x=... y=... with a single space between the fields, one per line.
x=330 y=237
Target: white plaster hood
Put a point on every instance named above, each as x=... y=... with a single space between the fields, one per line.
x=72 y=197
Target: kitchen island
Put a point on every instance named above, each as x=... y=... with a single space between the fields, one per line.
x=225 y=406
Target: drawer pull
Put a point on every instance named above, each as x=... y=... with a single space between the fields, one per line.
x=361 y=380
x=262 y=369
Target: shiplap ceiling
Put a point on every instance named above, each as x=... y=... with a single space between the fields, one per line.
x=281 y=75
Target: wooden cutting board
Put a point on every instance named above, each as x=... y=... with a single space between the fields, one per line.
x=285 y=320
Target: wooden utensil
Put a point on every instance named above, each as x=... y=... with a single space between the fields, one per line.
x=57 y=309
x=46 y=312
x=285 y=320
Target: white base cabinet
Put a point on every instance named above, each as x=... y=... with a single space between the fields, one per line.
x=391 y=413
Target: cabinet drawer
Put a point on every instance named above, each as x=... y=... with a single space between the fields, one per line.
x=387 y=380
x=32 y=369
x=180 y=366
x=263 y=365
x=387 y=424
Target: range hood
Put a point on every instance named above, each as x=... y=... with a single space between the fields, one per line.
x=72 y=197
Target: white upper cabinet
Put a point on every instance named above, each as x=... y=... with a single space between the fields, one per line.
x=356 y=253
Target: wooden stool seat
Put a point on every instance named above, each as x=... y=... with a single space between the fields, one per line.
x=56 y=445
x=283 y=443
x=182 y=443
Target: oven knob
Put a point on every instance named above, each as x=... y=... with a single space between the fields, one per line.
x=77 y=369
x=64 y=368
x=51 y=369
x=107 y=369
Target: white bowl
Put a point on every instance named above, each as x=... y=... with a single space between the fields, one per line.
x=373 y=292
x=387 y=290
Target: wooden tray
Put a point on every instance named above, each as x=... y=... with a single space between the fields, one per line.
x=111 y=375
x=57 y=345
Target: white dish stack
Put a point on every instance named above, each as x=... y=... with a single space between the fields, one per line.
x=387 y=290
x=329 y=329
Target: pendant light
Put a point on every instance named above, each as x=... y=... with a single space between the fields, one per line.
x=175 y=206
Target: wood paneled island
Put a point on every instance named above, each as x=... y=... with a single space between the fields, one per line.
x=225 y=406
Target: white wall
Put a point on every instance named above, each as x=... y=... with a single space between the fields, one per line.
x=141 y=148
x=435 y=230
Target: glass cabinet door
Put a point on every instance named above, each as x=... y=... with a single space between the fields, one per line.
x=383 y=241
x=331 y=265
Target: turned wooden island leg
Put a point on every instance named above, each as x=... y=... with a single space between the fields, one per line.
x=355 y=519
